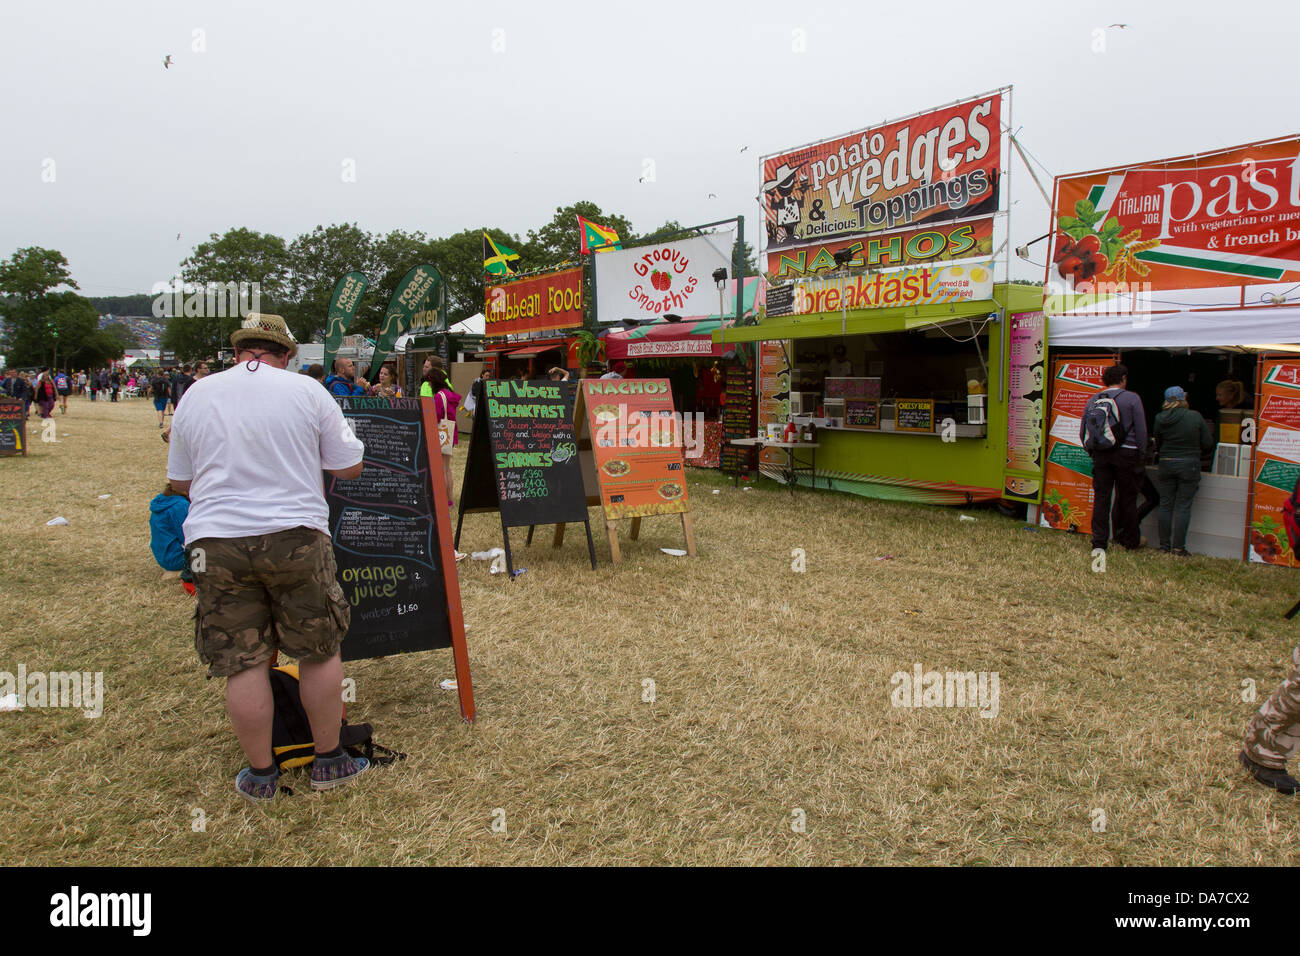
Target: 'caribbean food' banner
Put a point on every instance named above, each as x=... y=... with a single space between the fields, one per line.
x=1211 y=221
x=1022 y=478
x=916 y=286
x=411 y=294
x=552 y=300
x=933 y=167
x=1277 y=461
x=670 y=278
x=1067 y=479
x=941 y=243
x=343 y=309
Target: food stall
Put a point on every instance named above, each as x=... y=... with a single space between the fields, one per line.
x=1158 y=266
x=907 y=402
x=683 y=351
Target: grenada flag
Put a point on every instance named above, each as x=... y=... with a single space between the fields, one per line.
x=593 y=234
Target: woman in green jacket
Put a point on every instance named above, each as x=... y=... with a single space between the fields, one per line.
x=1181 y=435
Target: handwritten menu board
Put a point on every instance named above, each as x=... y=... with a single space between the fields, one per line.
x=737 y=418
x=534 y=452
x=13 y=438
x=386 y=542
x=637 y=445
x=914 y=415
x=861 y=413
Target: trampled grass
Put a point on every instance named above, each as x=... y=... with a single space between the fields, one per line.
x=1119 y=692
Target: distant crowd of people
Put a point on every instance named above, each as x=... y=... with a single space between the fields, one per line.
x=45 y=388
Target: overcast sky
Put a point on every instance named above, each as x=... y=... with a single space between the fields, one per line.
x=461 y=115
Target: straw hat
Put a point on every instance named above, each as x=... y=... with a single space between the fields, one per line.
x=262 y=325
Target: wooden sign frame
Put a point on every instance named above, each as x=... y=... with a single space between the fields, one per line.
x=593 y=483
x=447 y=559
x=928 y=403
x=849 y=402
x=481 y=443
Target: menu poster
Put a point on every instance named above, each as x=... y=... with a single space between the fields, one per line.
x=1027 y=356
x=13 y=437
x=1276 y=465
x=773 y=400
x=1067 y=474
x=853 y=388
x=861 y=413
x=636 y=445
x=913 y=415
x=523 y=459
x=737 y=418
x=391 y=535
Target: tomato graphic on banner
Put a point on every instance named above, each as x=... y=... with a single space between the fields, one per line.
x=1067 y=477
x=1276 y=465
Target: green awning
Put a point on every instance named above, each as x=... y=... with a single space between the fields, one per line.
x=1014 y=298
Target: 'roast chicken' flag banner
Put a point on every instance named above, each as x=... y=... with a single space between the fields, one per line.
x=497 y=258
x=343 y=308
x=593 y=235
x=411 y=294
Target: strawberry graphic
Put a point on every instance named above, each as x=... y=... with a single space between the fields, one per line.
x=661 y=280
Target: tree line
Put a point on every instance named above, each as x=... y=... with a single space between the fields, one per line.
x=295 y=278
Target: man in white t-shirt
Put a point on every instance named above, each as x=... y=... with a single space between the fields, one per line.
x=249 y=448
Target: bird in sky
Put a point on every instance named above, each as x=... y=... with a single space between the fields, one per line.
x=178 y=237
x=167 y=61
x=743 y=148
x=1118 y=26
x=713 y=195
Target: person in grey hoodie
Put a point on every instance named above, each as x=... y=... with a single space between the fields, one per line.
x=1181 y=436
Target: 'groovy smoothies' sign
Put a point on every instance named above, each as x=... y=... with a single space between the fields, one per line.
x=672 y=278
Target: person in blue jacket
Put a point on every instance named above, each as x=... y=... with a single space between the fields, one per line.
x=343 y=381
x=167 y=514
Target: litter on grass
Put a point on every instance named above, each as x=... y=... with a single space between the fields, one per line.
x=55 y=522
x=675 y=552
x=104 y=497
x=487 y=555
x=965 y=518
x=448 y=684
x=10 y=702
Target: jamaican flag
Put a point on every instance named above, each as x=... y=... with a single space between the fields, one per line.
x=497 y=258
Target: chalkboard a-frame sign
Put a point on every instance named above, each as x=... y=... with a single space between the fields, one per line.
x=392 y=539
x=523 y=461
x=13 y=437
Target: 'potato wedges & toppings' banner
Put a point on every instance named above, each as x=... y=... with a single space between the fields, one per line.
x=934 y=167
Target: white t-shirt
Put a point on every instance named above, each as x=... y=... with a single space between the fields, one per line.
x=253 y=444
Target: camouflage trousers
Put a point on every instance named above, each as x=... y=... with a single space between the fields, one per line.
x=264 y=593
x=1273 y=734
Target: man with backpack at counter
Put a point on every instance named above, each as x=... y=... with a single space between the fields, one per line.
x=1113 y=431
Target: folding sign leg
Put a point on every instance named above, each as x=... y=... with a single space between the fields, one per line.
x=510 y=564
x=636 y=529
x=591 y=545
x=529 y=542
x=611 y=532
x=460 y=520
x=688 y=530
x=559 y=534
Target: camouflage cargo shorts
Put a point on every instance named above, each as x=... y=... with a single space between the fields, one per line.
x=265 y=593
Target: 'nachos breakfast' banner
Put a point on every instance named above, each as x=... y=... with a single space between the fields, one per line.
x=670 y=278
x=1067 y=477
x=933 y=167
x=1215 y=220
x=1276 y=465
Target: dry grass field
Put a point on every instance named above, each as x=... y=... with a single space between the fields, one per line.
x=1120 y=694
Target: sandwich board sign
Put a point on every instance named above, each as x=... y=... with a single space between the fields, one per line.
x=630 y=441
x=392 y=539
x=523 y=461
x=13 y=434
